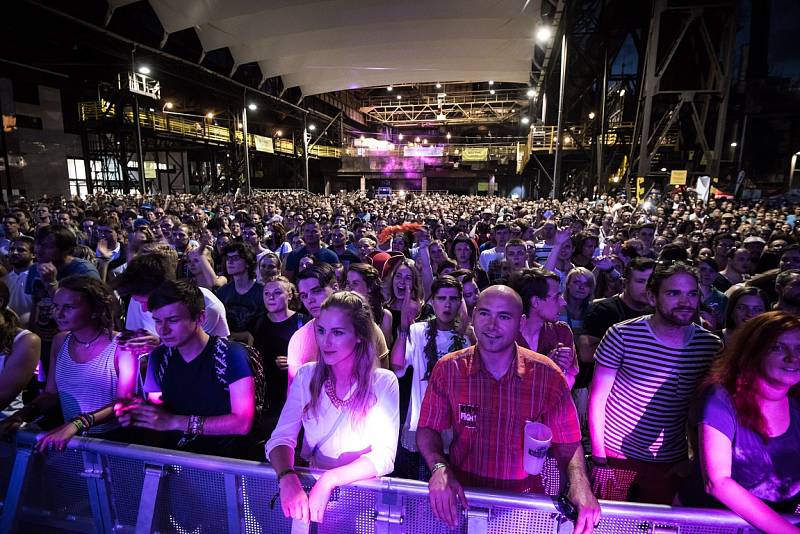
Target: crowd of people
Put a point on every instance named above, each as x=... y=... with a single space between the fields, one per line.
x=416 y=336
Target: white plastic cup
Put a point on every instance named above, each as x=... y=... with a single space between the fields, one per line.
x=537 y=442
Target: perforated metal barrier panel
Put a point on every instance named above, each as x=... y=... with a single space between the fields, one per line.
x=106 y=487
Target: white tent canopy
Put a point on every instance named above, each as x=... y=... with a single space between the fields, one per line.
x=329 y=45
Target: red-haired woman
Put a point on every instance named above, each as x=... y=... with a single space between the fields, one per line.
x=749 y=424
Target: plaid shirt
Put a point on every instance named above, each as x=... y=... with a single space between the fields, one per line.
x=488 y=416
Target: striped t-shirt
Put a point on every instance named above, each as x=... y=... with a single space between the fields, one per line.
x=648 y=404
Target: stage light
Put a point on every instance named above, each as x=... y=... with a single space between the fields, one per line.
x=525 y=120
x=416 y=139
x=531 y=93
x=399 y=97
x=389 y=88
x=400 y=137
x=622 y=92
x=278 y=133
x=438 y=85
x=424 y=141
x=734 y=144
x=144 y=69
x=169 y=105
x=543 y=34
x=491 y=91
x=362 y=137
x=663 y=169
x=591 y=115
x=209 y=115
x=312 y=127
x=252 y=107
x=448 y=135
x=491 y=82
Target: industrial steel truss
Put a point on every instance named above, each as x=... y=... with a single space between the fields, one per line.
x=467 y=107
x=706 y=34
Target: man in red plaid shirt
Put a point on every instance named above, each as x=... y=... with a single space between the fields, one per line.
x=486 y=393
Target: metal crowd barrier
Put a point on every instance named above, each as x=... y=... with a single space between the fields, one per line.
x=107 y=487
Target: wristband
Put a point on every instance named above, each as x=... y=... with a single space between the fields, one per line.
x=285 y=472
x=437 y=466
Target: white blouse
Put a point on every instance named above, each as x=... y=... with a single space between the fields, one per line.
x=374 y=438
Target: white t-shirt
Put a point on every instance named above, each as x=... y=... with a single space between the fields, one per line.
x=488 y=256
x=18 y=300
x=415 y=357
x=374 y=438
x=216 y=324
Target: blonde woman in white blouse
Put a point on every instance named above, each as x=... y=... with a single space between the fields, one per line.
x=347 y=407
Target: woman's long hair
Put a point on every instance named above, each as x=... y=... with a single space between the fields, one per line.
x=416 y=277
x=741 y=363
x=374 y=290
x=278 y=236
x=581 y=271
x=733 y=301
x=99 y=297
x=366 y=357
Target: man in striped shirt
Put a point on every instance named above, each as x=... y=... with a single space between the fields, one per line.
x=485 y=394
x=646 y=373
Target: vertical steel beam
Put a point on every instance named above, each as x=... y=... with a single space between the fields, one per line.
x=97 y=484
x=148 y=498
x=650 y=85
x=555 y=193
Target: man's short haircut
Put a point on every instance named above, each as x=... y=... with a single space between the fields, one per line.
x=720 y=237
x=500 y=226
x=531 y=283
x=111 y=223
x=63 y=237
x=27 y=240
x=662 y=273
x=785 y=277
x=465 y=275
x=245 y=253
x=321 y=272
x=672 y=253
x=172 y=291
x=446 y=281
x=639 y=264
x=145 y=273
x=516 y=242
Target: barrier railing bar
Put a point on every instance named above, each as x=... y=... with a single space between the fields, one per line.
x=232 y=503
x=147 y=501
x=645 y=512
x=477 y=520
x=97 y=481
x=15 y=487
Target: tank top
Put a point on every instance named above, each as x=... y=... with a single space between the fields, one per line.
x=87 y=387
x=16 y=404
x=5 y=355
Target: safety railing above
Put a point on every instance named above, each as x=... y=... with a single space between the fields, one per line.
x=102 y=486
x=198 y=128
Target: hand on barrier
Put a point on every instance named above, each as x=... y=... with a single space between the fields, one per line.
x=56 y=439
x=445 y=493
x=587 y=507
x=9 y=426
x=294 y=501
x=318 y=498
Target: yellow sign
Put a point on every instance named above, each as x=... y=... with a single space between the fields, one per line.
x=264 y=144
x=678 y=177
x=475 y=153
x=639 y=188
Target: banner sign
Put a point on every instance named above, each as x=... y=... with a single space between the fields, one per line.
x=264 y=144
x=421 y=151
x=678 y=177
x=475 y=153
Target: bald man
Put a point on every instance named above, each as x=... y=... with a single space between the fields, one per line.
x=485 y=394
